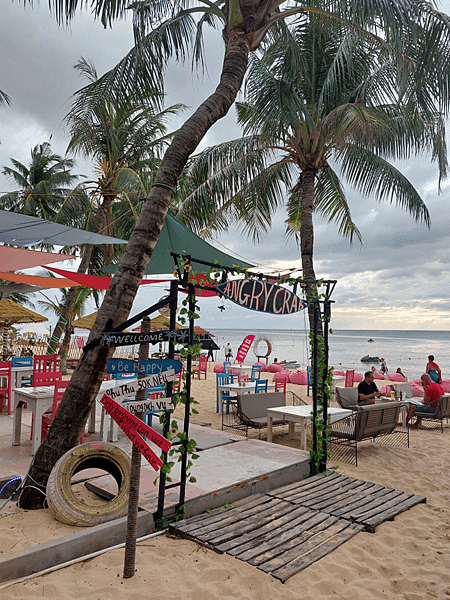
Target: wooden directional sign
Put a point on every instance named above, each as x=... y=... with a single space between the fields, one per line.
x=149 y=367
x=114 y=340
x=261 y=296
x=148 y=405
x=130 y=387
x=134 y=428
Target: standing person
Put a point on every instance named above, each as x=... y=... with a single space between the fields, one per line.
x=383 y=367
x=228 y=352
x=367 y=390
x=210 y=352
x=432 y=392
x=433 y=370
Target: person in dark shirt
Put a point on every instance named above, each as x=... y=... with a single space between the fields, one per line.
x=367 y=390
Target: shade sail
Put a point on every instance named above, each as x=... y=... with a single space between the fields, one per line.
x=175 y=237
x=48 y=282
x=12 y=313
x=94 y=281
x=18 y=288
x=22 y=230
x=158 y=323
x=14 y=259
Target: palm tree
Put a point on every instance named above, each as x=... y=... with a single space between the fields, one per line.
x=317 y=99
x=44 y=186
x=4 y=99
x=399 y=28
x=126 y=141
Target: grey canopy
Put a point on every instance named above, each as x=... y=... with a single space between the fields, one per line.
x=22 y=230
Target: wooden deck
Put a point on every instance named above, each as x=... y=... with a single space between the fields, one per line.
x=285 y=530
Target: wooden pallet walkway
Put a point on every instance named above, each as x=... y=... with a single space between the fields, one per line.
x=285 y=530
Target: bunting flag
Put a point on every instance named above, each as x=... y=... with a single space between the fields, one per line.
x=95 y=282
x=47 y=282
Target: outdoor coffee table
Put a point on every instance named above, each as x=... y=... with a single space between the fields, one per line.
x=300 y=414
x=19 y=373
x=39 y=399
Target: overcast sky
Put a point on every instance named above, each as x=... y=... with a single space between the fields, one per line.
x=397 y=280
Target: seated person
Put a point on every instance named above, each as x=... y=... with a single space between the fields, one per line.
x=432 y=392
x=367 y=390
x=399 y=371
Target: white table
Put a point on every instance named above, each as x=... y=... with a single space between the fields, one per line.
x=300 y=414
x=239 y=367
x=19 y=373
x=39 y=399
x=243 y=388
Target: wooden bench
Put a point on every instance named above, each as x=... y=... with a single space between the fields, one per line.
x=249 y=411
x=376 y=422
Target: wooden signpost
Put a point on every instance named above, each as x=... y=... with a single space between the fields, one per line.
x=134 y=428
x=148 y=405
x=114 y=340
x=261 y=296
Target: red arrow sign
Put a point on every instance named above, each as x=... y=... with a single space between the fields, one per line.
x=133 y=427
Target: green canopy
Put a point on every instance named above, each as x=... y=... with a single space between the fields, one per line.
x=175 y=237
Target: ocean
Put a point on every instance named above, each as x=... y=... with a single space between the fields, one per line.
x=406 y=349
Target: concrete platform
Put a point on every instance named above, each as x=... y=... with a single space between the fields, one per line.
x=228 y=469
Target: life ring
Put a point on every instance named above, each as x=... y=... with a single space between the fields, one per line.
x=63 y=503
x=256 y=347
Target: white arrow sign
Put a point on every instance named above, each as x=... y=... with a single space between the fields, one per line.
x=131 y=387
x=148 y=405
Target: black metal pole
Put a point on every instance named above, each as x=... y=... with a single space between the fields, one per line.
x=314 y=381
x=326 y=314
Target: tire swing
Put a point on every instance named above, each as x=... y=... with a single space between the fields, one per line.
x=63 y=503
x=257 y=351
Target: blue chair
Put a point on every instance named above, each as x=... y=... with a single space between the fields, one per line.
x=256 y=373
x=227 y=370
x=261 y=385
x=223 y=379
x=308 y=380
x=23 y=361
x=148 y=415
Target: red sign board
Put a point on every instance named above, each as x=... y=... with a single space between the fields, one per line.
x=133 y=427
x=244 y=348
x=261 y=296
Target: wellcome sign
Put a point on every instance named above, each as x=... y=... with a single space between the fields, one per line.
x=261 y=296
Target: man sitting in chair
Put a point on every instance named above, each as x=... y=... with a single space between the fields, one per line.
x=367 y=390
x=432 y=392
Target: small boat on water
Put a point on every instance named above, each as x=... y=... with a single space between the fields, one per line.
x=370 y=340
x=369 y=359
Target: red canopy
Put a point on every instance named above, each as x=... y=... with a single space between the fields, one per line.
x=95 y=282
x=14 y=259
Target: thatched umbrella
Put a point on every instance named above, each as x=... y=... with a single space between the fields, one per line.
x=12 y=313
x=206 y=339
x=157 y=323
x=86 y=322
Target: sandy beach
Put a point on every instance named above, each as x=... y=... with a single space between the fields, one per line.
x=407 y=558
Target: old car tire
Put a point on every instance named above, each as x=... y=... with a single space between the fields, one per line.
x=66 y=507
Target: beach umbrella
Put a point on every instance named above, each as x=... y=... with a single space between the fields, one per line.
x=12 y=313
x=206 y=338
x=34 y=328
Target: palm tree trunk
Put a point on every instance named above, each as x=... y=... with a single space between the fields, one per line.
x=85 y=383
x=307 y=237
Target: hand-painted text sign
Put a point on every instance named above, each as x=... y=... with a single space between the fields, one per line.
x=129 y=388
x=134 y=428
x=113 y=340
x=148 y=405
x=149 y=367
x=261 y=296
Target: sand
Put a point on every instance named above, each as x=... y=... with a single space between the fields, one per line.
x=408 y=558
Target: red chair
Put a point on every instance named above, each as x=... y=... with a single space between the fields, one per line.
x=202 y=366
x=243 y=378
x=280 y=386
x=5 y=385
x=349 y=378
x=176 y=385
x=48 y=417
x=48 y=378
x=43 y=363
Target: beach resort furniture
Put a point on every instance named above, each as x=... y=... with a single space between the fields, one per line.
x=376 y=422
x=349 y=378
x=23 y=367
x=302 y=415
x=442 y=412
x=347 y=397
x=39 y=399
x=43 y=363
x=202 y=366
x=48 y=416
x=256 y=372
x=237 y=388
x=49 y=378
x=249 y=411
x=261 y=385
x=404 y=387
x=5 y=385
x=280 y=385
